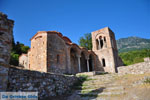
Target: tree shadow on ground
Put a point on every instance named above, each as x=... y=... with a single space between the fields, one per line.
x=93 y=94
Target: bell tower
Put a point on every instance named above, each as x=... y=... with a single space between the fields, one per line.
x=104 y=46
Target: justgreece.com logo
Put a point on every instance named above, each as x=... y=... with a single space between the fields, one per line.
x=18 y=95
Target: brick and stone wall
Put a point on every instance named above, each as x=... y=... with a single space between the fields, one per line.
x=56 y=54
x=139 y=68
x=6 y=34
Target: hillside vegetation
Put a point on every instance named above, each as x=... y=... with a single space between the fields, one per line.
x=135 y=56
x=132 y=43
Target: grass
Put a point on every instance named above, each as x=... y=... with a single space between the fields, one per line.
x=147 y=80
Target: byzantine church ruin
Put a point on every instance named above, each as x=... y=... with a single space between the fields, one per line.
x=52 y=52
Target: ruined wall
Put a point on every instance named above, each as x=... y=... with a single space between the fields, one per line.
x=6 y=34
x=45 y=84
x=57 y=54
x=139 y=68
x=147 y=59
x=38 y=55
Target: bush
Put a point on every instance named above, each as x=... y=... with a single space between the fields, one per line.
x=135 y=56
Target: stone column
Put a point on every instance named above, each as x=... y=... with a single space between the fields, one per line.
x=88 y=64
x=99 y=44
x=79 y=65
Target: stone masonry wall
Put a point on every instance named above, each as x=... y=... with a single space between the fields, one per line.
x=139 y=68
x=45 y=84
x=6 y=34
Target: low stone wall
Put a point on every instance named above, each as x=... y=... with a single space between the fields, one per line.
x=3 y=78
x=139 y=68
x=46 y=84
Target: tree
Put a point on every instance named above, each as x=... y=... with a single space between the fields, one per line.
x=86 y=41
x=17 y=49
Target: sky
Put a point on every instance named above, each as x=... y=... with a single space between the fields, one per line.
x=74 y=18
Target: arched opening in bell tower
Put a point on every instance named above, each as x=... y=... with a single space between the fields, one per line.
x=101 y=42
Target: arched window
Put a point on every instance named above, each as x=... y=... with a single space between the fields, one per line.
x=103 y=62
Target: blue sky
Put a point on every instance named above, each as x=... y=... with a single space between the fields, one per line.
x=74 y=18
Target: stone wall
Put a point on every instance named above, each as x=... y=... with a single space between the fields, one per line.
x=6 y=34
x=139 y=68
x=46 y=84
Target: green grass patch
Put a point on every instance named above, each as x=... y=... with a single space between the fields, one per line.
x=147 y=80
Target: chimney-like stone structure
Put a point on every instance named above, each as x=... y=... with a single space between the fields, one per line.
x=6 y=35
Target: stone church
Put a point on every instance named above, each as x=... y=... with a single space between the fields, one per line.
x=52 y=52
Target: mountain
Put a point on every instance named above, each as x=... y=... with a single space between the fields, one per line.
x=132 y=43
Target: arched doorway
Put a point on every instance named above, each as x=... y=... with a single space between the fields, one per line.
x=73 y=60
x=83 y=63
x=91 y=66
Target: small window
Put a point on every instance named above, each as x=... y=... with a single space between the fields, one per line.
x=58 y=58
x=103 y=62
x=105 y=39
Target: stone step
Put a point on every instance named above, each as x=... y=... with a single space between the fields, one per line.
x=101 y=98
x=93 y=86
x=106 y=93
x=104 y=89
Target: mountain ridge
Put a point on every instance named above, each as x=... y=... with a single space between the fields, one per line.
x=132 y=43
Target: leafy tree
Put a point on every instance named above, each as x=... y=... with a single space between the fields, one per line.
x=17 y=49
x=14 y=59
x=86 y=41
